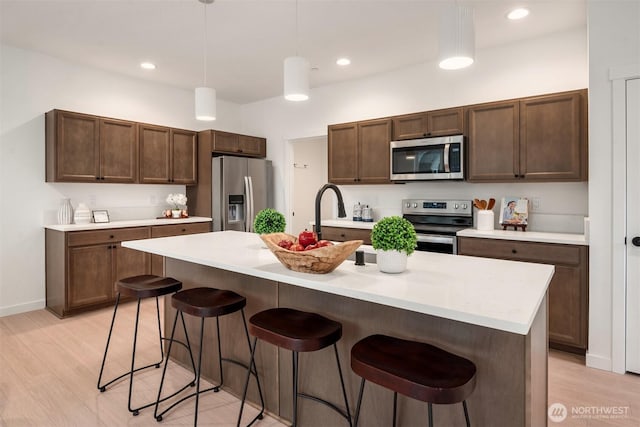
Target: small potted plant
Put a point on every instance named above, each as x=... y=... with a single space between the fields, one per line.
x=177 y=200
x=269 y=221
x=394 y=239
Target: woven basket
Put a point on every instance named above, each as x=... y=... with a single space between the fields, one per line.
x=318 y=261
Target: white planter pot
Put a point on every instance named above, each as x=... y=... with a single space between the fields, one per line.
x=175 y=213
x=391 y=261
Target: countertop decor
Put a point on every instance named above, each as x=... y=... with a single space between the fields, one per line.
x=318 y=261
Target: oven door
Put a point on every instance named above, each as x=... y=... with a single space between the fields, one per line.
x=437 y=243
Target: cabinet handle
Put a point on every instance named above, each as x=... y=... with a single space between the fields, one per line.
x=112 y=236
x=513 y=251
x=343 y=236
x=184 y=229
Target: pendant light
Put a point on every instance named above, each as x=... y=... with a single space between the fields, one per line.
x=457 y=37
x=296 y=74
x=205 y=96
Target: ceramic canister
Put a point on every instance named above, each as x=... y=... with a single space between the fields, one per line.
x=485 y=220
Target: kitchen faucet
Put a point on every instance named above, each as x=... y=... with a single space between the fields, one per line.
x=341 y=211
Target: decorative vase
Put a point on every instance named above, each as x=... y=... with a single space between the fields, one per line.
x=65 y=213
x=82 y=214
x=391 y=261
x=485 y=220
x=175 y=213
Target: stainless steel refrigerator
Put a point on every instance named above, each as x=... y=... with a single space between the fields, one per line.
x=241 y=188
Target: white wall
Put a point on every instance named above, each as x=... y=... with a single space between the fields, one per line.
x=614 y=41
x=32 y=84
x=551 y=64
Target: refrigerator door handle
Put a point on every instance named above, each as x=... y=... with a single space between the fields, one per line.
x=251 y=205
x=247 y=204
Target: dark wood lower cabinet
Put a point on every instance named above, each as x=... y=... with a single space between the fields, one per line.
x=568 y=290
x=83 y=266
x=342 y=234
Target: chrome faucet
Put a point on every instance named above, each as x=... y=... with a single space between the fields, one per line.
x=341 y=211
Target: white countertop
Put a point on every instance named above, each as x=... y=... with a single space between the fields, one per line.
x=526 y=236
x=498 y=294
x=129 y=223
x=346 y=223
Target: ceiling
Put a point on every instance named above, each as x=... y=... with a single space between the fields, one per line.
x=249 y=39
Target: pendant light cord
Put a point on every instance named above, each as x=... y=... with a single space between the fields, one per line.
x=204 y=46
x=297 y=41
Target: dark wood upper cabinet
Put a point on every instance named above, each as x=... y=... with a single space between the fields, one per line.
x=552 y=146
x=167 y=156
x=542 y=138
x=359 y=152
x=86 y=148
x=238 y=145
x=343 y=153
x=493 y=142
x=374 y=137
x=444 y=122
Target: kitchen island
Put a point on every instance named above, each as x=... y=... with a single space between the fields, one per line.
x=492 y=312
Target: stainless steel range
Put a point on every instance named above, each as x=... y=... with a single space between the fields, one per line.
x=437 y=222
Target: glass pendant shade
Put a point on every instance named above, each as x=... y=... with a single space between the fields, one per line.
x=457 y=37
x=205 y=103
x=296 y=78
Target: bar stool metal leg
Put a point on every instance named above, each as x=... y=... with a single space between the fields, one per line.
x=254 y=371
x=466 y=413
x=294 y=358
x=395 y=407
x=359 y=404
x=430 y=406
x=344 y=390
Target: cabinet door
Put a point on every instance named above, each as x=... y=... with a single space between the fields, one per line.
x=568 y=316
x=374 y=137
x=494 y=142
x=343 y=153
x=445 y=122
x=184 y=157
x=252 y=146
x=76 y=151
x=118 y=151
x=224 y=142
x=154 y=154
x=410 y=126
x=551 y=142
x=90 y=275
x=129 y=262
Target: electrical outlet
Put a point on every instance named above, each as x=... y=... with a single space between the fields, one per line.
x=535 y=203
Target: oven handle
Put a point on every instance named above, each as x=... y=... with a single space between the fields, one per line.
x=436 y=238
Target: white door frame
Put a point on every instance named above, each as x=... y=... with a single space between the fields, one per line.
x=619 y=77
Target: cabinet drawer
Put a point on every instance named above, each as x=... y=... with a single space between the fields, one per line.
x=178 y=229
x=78 y=238
x=547 y=253
x=342 y=234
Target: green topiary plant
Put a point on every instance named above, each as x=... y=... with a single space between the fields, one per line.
x=394 y=233
x=269 y=221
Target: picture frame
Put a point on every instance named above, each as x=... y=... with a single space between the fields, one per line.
x=514 y=210
x=100 y=216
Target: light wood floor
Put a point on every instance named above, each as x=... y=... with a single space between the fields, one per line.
x=49 y=369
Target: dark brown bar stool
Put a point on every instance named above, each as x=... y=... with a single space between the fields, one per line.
x=140 y=287
x=297 y=331
x=203 y=303
x=418 y=370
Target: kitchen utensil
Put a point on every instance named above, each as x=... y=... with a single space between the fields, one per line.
x=476 y=203
x=492 y=202
x=483 y=204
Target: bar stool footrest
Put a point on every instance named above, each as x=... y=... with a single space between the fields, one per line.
x=326 y=403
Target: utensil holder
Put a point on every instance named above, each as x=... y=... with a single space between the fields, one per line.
x=485 y=220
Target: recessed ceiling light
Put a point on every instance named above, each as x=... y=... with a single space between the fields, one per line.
x=343 y=61
x=148 y=66
x=518 y=13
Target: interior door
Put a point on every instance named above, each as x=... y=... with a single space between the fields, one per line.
x=633 y=227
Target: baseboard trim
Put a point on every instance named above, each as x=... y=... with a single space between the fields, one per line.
x=22 y=308
x=598 y=362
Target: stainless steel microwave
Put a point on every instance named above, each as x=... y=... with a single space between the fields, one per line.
x=427 y=159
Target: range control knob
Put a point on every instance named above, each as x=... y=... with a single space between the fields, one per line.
x=456 y=206
x=408 y=205
x=415 y=205
x=464 y=206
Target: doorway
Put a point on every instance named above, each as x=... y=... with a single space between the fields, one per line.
x=633 y=226
x=308 y=172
